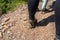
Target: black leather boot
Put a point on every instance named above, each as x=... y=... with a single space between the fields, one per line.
x=33 y=23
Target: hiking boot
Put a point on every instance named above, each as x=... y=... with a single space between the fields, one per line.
x=33 y=23
x=45 y=11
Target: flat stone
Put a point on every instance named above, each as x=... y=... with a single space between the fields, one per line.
x=5 y=26
x=1 y=34
x=5 y=19
x=3 y=30
x=10 y=24
x=1 y=27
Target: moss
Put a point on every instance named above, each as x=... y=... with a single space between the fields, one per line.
x=9 y=5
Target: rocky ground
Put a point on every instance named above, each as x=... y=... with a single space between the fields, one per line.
x=15 y=25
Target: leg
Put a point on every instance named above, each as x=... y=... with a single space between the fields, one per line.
x=32 y=6
x=44 y=4
x=57 y=22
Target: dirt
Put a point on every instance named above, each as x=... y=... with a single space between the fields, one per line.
x=18 y=26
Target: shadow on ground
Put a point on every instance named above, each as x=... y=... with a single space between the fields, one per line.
x=45 y=21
